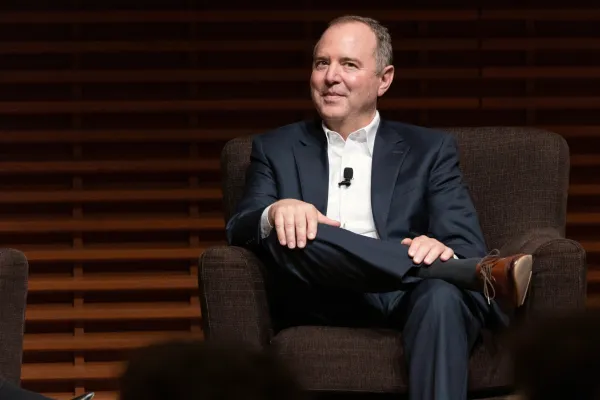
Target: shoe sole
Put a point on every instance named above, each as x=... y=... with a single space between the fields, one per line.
x=522 y=272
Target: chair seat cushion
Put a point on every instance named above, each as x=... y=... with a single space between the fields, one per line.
x=372 y=360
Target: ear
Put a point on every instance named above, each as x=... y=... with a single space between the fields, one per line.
x=386 y=78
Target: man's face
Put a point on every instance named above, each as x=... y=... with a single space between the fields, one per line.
x=344 y=80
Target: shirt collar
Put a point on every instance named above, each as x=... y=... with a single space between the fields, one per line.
x=371 y=131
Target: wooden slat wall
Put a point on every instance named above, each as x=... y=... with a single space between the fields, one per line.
x=112 y=117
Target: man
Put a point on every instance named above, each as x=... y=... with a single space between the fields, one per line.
x=395 y=241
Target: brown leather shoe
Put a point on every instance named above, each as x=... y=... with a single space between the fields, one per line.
x=506 y=279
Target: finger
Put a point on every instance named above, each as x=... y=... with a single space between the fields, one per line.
x=434 y=253
x=300 y=220
x=416 y=244
x=279 y=227
x=311 y=224
x=421 y=253
x=406 y=241
x=290 y=229
x=447 y=254
x=414 y=247
x=326 y=220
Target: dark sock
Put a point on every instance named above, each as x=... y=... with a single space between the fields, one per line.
x=459 y=272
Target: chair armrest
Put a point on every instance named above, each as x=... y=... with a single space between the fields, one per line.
x=14 y=272
x=233 y=298
x=559 y=271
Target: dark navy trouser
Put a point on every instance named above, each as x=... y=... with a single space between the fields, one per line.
x=344 y=279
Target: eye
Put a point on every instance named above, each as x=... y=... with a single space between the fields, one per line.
x=351 y=65
x=320 y=63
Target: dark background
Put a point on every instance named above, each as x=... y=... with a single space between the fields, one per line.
x=113 y=114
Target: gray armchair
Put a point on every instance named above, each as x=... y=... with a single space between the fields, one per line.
x=14 y=272
x=518 y=178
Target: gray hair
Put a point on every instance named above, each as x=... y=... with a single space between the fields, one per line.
x=384 y=54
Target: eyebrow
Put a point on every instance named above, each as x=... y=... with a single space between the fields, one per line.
x=350 y=59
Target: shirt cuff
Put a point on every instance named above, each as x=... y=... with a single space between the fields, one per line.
x=265 y=225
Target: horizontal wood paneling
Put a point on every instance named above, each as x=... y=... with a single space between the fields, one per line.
x=112 y=117
x=112 y=196
x=115 y=136
x=95 y=341
x=117 y=254
x=67 y=371
x=112 y=282
x=111 y=312
x=107 y=167
x=110 y=225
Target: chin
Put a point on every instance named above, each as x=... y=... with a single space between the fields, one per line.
x=331 y=112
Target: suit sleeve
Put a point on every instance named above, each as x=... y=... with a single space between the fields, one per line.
x=453 y=219
x=260 y=191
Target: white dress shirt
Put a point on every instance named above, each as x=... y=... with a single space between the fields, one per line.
x=350 y=205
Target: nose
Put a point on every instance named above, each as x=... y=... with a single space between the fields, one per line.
x=332 y=75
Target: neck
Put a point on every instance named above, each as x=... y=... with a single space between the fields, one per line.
x=346 y=126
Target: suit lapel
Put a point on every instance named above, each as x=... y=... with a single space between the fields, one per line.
x=310 y=154
x=389 y=153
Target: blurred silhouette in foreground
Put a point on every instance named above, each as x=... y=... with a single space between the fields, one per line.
x=208 y=370
x=559 y=358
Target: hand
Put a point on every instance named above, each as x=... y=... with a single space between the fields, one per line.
x=295 y=221
x=427 y=250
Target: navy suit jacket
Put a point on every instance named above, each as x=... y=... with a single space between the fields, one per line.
x=416 y=184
